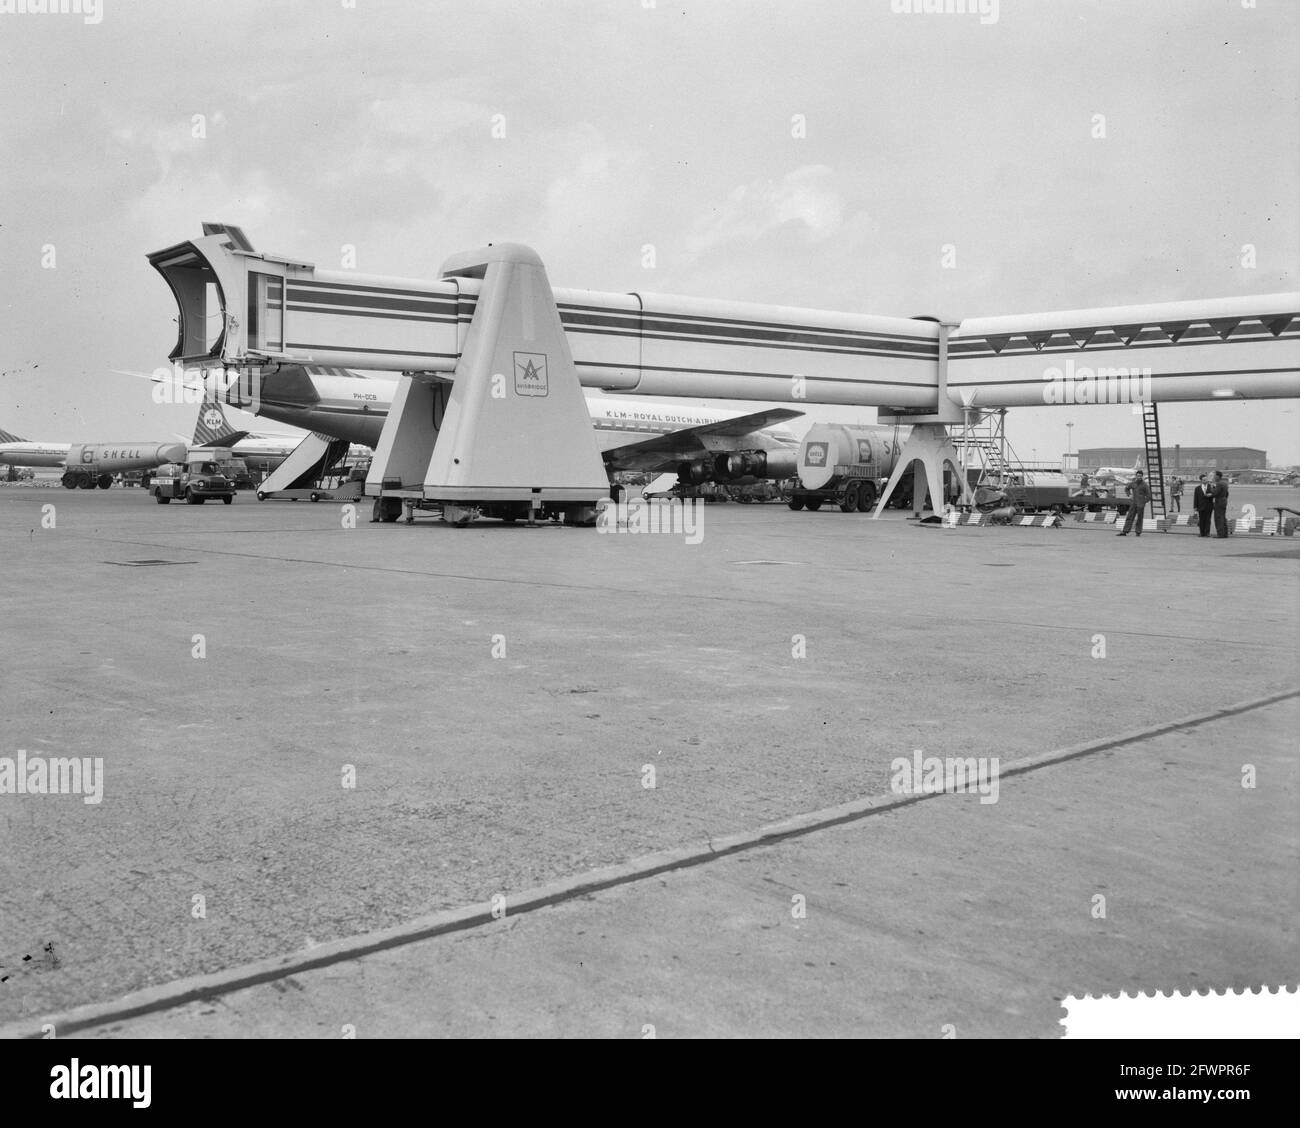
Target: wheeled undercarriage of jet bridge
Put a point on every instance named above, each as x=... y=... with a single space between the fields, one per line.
x=489 y=416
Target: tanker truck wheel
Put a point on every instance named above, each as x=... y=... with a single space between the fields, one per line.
x=69 y=481
x=813 y=504
x=795 y=503
x=104 y=481
x=866 y=497
x=85 y=482
x=849 y=501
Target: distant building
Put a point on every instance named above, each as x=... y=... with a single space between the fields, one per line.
x=1178 y=458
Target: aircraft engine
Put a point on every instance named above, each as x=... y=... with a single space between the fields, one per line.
x=739 y=464
x=694 y=473
x=761 y=464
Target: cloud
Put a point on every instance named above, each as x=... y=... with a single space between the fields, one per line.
x=806 y=202
x=429 y=114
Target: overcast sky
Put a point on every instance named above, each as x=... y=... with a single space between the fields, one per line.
x=632 y=122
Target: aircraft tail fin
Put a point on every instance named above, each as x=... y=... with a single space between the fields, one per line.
x=212 y=428
x=6 y=437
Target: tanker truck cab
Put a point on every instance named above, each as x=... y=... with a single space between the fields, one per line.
x=196 y=481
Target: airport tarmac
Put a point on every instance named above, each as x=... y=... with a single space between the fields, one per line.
x=498 y=695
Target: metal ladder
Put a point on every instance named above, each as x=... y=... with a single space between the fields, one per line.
x=990 y=451
x=984 y=435
x=1155 y=464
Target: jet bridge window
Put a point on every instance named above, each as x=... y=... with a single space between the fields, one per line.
x=265 y=312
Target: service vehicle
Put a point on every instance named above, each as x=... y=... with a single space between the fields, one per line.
x=196 y=481
x=228 y=463
x=845 y=466
x=1033 y=490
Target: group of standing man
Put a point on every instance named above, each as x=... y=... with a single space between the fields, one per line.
x=1210 y=499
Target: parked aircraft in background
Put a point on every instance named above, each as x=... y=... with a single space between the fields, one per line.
x=1266 y=477
x=699 y=444
x=1116 y=475
x=213 y=429
x=22 y=452
x=262 y=452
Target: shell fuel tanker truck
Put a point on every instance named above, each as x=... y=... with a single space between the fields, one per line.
x=844 y=465
x=88 y=465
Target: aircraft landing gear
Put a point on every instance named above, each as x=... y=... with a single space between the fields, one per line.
x=386 y=509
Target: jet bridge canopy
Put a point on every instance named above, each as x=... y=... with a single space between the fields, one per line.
x=239 y=308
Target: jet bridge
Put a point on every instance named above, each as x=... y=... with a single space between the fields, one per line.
x=239 y=308
x=489 y=412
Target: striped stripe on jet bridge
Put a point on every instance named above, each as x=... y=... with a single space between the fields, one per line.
x=412 y=305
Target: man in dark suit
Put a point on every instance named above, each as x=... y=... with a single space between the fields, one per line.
x=1219 y=494
x=1203 y=503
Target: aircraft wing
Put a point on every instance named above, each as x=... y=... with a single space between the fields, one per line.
x=226 y=440
x=690 y=442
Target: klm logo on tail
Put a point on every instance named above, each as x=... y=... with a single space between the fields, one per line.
x=212 y=428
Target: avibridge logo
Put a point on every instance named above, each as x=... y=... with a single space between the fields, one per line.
x=101 y=1082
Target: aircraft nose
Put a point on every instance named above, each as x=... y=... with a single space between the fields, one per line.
x=173 y=452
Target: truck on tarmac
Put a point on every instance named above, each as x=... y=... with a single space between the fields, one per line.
x=1035 y=490
x=846 y=466
x=196 y=480
x=228 y=463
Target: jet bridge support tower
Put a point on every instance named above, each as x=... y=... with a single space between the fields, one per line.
x=508 y=433
x=928 y=445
